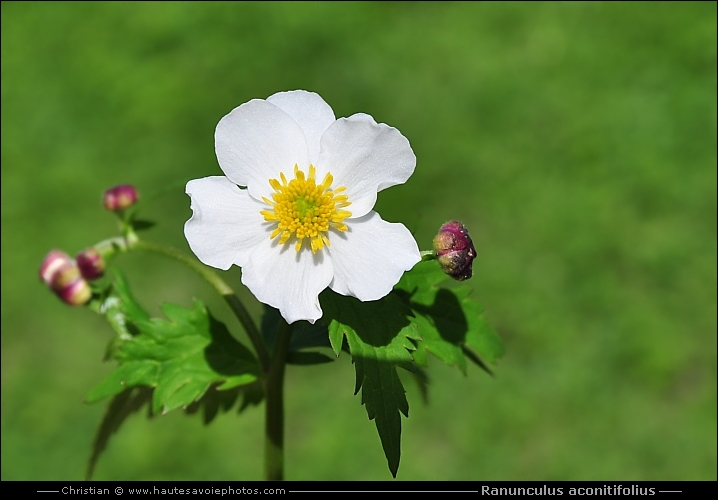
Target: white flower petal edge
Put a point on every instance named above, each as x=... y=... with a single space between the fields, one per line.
x=287 y=280
x=310 y=111
x=225 y=224
x=371 y=257
x=255 y=142
x=366 y=157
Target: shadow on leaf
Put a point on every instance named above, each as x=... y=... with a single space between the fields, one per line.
x=225 y=355
x=377 y=323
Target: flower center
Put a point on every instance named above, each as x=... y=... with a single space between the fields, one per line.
x=302 y=209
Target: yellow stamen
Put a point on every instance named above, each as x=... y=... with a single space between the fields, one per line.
x=303 y=209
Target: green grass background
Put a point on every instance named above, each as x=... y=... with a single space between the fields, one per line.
x=577 y=142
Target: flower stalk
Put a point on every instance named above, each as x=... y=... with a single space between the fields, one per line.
x=274 y=410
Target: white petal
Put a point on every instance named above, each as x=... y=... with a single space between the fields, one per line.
x=225 y=223
x=365 y=157
x=370 y=258
x=255 y=142
x=310 y=111
x=288 y=280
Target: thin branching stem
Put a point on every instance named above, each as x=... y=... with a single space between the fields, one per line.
x=427 y=255
x=131 y=242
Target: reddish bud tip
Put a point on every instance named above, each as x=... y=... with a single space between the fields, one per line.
x=91 y=264
x=120 y=197
x=455 y=250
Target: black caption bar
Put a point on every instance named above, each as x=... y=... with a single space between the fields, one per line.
x=487 y=489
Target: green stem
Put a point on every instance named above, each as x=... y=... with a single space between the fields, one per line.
x=274 y=416
x=133 y=243
x=221 y=287
x=273 y=368
x=427 y=255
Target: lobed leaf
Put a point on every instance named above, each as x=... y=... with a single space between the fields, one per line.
x=188 y=360
x=180 y=357
x=418 y=317
x=379 y=336
x=449 y=320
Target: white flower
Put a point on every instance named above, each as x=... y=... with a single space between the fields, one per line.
x=304 y=222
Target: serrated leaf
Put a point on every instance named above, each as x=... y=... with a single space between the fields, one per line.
x=421 y=280
x=383 y=397
x=218 y=399
x=380 y=328
x=481 y=337
x=180 y=357
x=438 y=326
x=449 y=320
x=130 y=374
x=379 y=336
x=420 y=377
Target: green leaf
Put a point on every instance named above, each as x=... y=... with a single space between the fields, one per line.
x=180 y=358
x=142 y=225
x=217 y=400
x=440 y=327
x=420 y=377
x=449 y=320
x=380 y=328
x=384 y=397
x=120 y=307
x=189 y=360
x=379 y=336
x=481 y=337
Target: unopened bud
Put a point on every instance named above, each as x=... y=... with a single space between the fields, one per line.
x=455 y=250
x=52 y=263
x=63 y=276
x=120 y=197
x=75 y=293
x=91 y=264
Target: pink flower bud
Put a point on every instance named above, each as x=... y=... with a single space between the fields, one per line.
x=65 y=276
x=455 y=250
x=120 y=197
x=75 y=293
x=52 y=262
x=91 y=264
x=62 y=275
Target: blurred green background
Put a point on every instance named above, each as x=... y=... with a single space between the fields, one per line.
x=576 y=141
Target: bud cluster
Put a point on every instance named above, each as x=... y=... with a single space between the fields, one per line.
x=69 y=278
